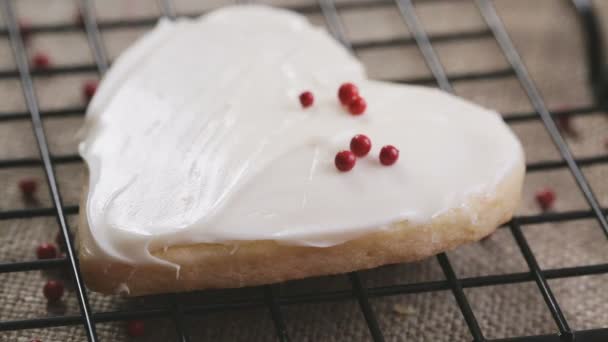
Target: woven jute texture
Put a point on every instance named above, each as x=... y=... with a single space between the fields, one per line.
x=547 y=35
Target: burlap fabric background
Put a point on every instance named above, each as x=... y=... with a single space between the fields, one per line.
x=547 y=36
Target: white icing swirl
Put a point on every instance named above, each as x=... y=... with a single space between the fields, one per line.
x=196 y=135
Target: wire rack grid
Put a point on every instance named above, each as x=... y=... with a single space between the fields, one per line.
x=270 y=298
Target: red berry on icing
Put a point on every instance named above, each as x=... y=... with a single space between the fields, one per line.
x=35 y=341
x=46 y=251
x=347 y=92
x=389 y=155
x=307 y=99
x=89 y=89
x=360 y=145
x=357 y=106
x=545 y=198
x=345 y=160
x=41 y=60
x=53 y=290
x=136 y=328
x=28 y=186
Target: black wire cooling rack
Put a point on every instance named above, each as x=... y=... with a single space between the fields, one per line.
x=178 y=310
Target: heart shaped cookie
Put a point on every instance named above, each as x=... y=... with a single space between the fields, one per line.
x=208 y=169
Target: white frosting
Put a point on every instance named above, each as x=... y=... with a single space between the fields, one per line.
x=196 y=135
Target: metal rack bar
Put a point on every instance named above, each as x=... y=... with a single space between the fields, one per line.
x=94 y=36
x=64 y=112
x=595 y=335
x=572 y=112
x=461 y=298
x=330 y=13
x=315 y=297
x=541 y=282
x=177 y=315
x=32 y=105
x=368 y=313
x=458 y=77
x=273 y=303
x=24 y=266
x=557 y=164
x=55 y=70
x=24 y=162
x=435 y=38
x=35 y=212
x=167 y=8
x=594 y=47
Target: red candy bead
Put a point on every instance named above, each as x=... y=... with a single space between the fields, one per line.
x=136 y=328
x=53 y=290
x=545 y=198
x=307 y=99
x=28 y=186
x=345 y=160
x=389 y=155
x=357 y=106
x=347 y=92
x=360 y=145
x=46 y=251
x=41 y=60
x=89 y=89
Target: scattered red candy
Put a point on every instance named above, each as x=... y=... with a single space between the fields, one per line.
x=28 y=186
x=136 y=328
x=89 y=89
x=41 y=60
x=357 y=106
x=307 y=99
x=53 y=290
x=389 y=155
x=545 y=198
x=360 y=145
x=347 y=92
x=345 y=160
x=46 y=251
